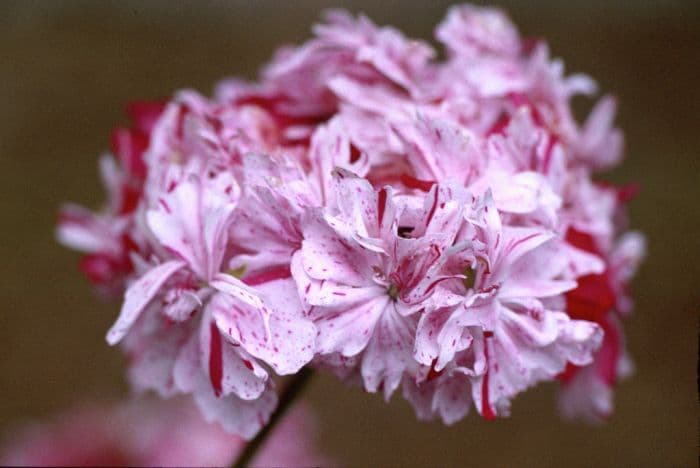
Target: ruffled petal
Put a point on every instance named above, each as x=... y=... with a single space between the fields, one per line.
x=283 y=338
x=191 y=220
x=139 y=294
x=389 y=353
x=230 y=369
x=237 y=289
x=237 y=416
x=153 y=346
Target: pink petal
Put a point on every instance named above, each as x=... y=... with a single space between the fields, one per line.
x=452 y=398
x=192 y=219
x=230 y=370
x=153 y=346
x=327 y=256
x=238 y=289
x=137 y=297
x=286 y=342
x=389 y=353
x=236 y=416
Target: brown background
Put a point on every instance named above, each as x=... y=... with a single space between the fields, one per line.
x=67 y=67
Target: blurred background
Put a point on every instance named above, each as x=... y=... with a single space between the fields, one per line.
x=67 y=68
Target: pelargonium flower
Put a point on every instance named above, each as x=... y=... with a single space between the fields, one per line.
x=366 y=208
x=148 y=432
x=366 y=276
x=236 y=324
x=505 y=317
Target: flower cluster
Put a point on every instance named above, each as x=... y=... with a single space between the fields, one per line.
x=369 y=209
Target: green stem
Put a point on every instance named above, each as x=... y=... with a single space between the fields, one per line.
x=290 y=393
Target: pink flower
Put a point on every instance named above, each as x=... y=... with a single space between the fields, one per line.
x=365 y=277
x=505 y=319
x=151 y=433
x=234 y=323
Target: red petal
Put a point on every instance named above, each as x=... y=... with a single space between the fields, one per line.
x=486 y=410
x=412 y=182
x=144 y=114
x=216 y=368
x=582 y=240
x=128 y=145
x=592 y=299
x=281 y=272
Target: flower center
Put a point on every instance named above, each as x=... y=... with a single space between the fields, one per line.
x=469 y=277
x=393 y=291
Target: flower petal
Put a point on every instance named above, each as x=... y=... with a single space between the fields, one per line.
x=285 y=342
x=389 y=353
x=230 y=370
x=235 y=415
x=236 y=288
x=139 y=294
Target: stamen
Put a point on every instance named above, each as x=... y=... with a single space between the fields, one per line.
x=469 y=277
x=393 y=291
x=237 y=272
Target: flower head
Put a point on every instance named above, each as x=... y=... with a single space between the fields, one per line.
x=367 y=208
